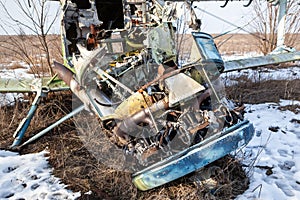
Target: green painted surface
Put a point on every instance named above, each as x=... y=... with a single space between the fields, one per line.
x=31 y=85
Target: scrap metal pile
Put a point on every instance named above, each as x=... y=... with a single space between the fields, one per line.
x=153 y=98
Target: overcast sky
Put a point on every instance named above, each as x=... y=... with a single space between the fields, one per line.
x=234 y=12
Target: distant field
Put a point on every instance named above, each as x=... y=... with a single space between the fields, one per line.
x=23 y=48
x=243 y=43
x=229 y=44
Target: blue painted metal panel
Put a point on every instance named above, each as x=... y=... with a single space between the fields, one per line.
x=195 y=157
x=23 y=126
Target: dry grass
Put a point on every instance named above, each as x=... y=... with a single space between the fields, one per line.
x=82 y=171
x=236 y=44
x=231 y=44
x=17 y=66
x=27 y=49
x=249 y=91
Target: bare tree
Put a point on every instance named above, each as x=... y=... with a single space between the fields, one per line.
x=293 y=19
x=266 y=24
x=30 y=17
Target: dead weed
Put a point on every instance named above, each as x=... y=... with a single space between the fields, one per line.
x=248 y=91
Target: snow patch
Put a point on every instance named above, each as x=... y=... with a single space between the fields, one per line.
x=276 y=155
x=29 y=177
x=19 y=73
x=10 y=98
x=237 y=56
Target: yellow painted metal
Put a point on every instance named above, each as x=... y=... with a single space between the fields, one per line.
x=133 y=104
x=139 y=183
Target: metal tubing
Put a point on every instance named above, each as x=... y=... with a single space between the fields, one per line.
x=281 y=23
x=43 y=132
x=67 y=76
x=141 y=116
x=101 y=72
x=20 y=132
x=144 y=11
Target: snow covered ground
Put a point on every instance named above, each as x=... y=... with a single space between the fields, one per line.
x=29 y=177
x=20 y=72
x=263 y=74
x=275 y=153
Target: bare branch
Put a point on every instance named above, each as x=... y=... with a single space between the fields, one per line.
x=267 y=23
x=35 y=15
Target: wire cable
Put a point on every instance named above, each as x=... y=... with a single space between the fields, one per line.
x=237 y=27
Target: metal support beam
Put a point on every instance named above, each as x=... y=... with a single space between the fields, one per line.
x=282 y=12
x=43 y=132
x=281 y=23
x=11 y=85
x=20 y=132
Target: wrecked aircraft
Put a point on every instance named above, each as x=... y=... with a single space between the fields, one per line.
x=163 y=107
x=162 y=104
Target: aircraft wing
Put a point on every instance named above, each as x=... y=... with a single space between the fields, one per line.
x=245 y=63
x=31 y=85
